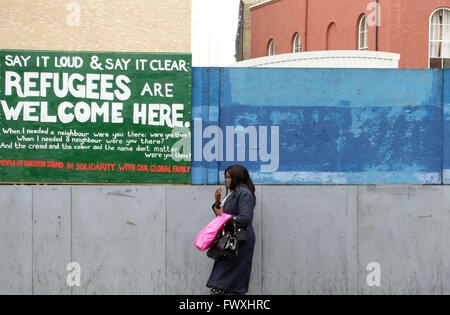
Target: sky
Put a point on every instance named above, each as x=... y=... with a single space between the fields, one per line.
x=213 y=33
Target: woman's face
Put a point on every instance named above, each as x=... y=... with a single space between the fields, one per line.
x=227 y=180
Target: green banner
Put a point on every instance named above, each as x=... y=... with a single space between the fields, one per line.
x=94 y=117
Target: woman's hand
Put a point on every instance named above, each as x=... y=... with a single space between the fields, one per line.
x=218 y=212
x=218 y=193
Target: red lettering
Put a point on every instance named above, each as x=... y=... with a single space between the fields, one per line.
x=55 y=164
x=35 y=164
x=181 y=169
x=8 y=162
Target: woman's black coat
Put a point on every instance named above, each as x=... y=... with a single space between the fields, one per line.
x=233 y=274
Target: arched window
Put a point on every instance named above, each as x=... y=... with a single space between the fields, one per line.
x=272 y=48
x=363 y=43
x=297 y=43
x=440 y=39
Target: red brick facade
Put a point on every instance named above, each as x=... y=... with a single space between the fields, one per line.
x=404 y=26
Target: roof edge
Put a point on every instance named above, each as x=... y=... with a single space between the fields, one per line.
x=267 y=2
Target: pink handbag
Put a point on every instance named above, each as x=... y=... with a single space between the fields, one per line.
x=207 y=235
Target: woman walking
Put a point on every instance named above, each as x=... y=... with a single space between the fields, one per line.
x=231 y=276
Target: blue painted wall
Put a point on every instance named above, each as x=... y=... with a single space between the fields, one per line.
x=446 y=137
x=335 y=126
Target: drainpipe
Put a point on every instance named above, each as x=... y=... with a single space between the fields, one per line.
x=376 y=35
x=306 y=27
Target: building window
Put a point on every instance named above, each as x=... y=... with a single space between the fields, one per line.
x=272 y=48
x=363 y=34
x=440 y=39
x=297 y=44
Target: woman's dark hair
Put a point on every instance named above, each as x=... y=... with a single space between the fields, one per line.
x=239 y=175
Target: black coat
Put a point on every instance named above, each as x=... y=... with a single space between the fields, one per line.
x=233 y=274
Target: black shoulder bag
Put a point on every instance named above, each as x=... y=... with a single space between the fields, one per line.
x=242 y=234
x=225 y=244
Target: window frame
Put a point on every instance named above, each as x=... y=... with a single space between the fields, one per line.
x=272 y=49
x=431 y=40
x=297 y=40
x=362 y=19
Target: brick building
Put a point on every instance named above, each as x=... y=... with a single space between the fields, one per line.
x=418 y=30
x=103 y=25
x=244 y=34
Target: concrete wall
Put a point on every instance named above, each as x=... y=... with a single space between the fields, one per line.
x=139 y=240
